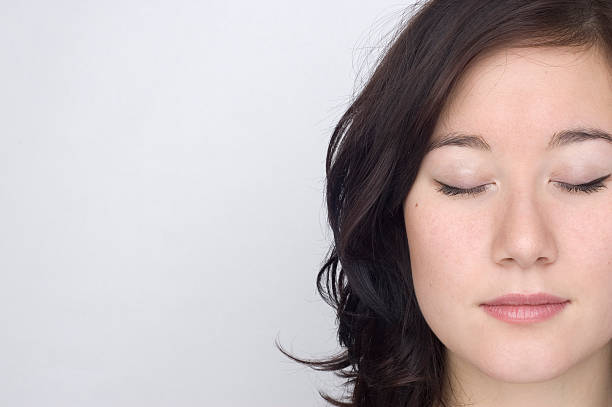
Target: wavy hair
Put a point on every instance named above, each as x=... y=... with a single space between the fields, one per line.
x=390 y=356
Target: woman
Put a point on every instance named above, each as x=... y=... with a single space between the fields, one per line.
x=468 y=190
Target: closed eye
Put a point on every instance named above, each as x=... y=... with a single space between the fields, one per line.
x=453 y=191
x=589 y=187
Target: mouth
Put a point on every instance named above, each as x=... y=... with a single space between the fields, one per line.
x=522 y=309
x=526 y=299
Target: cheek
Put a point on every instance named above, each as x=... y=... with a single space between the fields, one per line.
x=446 y=260
x=584 y=243
x=443 y=243
x=587 y=245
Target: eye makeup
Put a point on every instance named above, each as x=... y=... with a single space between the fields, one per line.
x=587 y=188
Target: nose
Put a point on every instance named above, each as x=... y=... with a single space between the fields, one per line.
x=523 y=236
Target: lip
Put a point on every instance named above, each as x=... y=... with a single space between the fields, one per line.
x=526 y=299
x=523 y=309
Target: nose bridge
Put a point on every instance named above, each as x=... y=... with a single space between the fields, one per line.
x=523 y=233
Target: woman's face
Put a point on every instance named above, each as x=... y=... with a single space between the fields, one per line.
x=523 y=233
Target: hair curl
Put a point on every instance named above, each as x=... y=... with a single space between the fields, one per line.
x=391 y=357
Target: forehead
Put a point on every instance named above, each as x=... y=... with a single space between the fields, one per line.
x=530 y=93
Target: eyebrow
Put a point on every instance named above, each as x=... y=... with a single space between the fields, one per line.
x=561 y=138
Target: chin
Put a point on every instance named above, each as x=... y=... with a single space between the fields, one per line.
x=533 y=366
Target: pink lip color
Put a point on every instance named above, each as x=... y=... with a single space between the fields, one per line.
x=521 y=309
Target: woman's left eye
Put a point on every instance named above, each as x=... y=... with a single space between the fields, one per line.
x=587 y=188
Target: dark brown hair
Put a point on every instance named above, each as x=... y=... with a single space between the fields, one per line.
x=391 y=357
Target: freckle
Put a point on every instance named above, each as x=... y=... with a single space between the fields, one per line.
x=416 y=205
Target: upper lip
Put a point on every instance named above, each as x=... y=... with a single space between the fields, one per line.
x=526 y=299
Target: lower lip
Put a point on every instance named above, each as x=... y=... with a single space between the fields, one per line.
x=524 y=314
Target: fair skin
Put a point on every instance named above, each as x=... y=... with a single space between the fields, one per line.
x=523 y=233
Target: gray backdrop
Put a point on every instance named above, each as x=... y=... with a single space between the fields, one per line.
x=161 y=196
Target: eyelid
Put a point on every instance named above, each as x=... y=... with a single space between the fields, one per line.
x=456 y=191
x=587 y=187
x=591 y=186
x=595 y=181
x=459 y=188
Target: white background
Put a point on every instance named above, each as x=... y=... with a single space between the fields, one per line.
x=161 y=196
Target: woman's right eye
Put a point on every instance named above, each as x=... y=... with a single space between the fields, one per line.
x=453 y=191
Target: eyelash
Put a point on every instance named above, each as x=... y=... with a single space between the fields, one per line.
x=587 y=188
